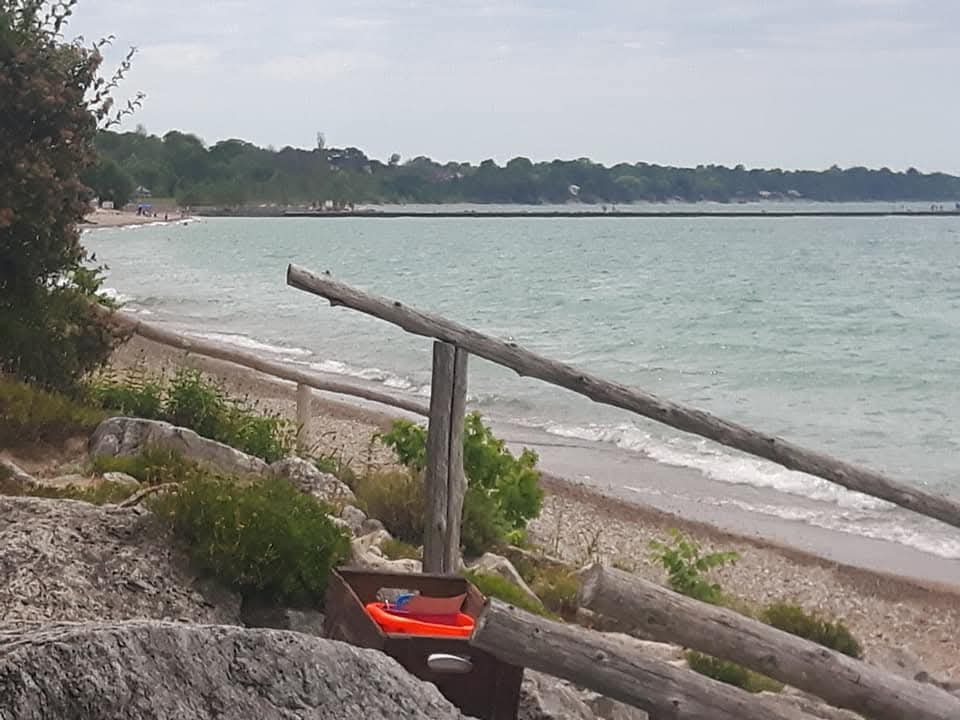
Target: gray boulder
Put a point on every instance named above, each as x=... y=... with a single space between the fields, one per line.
x=13 y=473
x=543 y=697
x=69 y=560
x=354 y=517
x=158 y=671
x=305 y=476
x=123 y=436
x=120 y=478
x=491 y=564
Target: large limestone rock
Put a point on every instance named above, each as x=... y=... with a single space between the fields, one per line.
x=158 y=671
x=492 y=564
x=543 y=697
x=366 y=553
x=68 y=560
x=310 y=480
x=122 y=436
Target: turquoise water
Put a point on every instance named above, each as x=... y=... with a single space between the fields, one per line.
x=840 y=334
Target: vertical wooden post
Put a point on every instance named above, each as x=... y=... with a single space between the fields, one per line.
x=456 y=479
x=304 y=413
x=444 y=482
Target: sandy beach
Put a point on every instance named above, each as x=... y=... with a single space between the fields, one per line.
x=891 y=614
x=101 y=218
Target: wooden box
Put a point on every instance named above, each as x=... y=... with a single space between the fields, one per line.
x=490 y=690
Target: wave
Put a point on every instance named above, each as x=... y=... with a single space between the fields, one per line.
x=115 y=295
x=248 y=343
x=373 y=374
x=718 y=463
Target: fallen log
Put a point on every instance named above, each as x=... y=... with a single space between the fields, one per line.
x=656 y=613
x=676 y=415
x=591 y=660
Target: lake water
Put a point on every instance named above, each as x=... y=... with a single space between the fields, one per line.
x=841 y=334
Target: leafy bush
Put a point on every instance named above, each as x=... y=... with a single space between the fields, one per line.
x=53 y=100
x=339 y=468
x=797 y=621
x=393 y=549
x=497 y=587
x=28 y=414
x=731 y=673
x=266 y=540
x=686 y=566
x=191 y=400
x=503 y=491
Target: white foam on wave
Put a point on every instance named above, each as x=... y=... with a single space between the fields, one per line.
x=718 y=463
x=114 y=294
x=372 y=374
x=248 y=343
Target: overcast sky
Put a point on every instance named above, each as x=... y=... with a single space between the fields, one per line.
x=788 y=83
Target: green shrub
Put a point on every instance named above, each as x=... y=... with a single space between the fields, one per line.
x=731 y=673
x=266 y=539
x=339 y=468
x=557 y=588
x=393 y=549
x=100 y=493
x=503 y=491
x=191 y=400
x=151 y=466
x=797 y=621
x=28 y=414
x=497 y=587
x=686 y=566
x=396 y=499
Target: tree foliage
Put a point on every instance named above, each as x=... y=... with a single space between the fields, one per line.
x=53 y=101
x=234 y=172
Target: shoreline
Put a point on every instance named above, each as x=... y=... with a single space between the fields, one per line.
x=884 y=609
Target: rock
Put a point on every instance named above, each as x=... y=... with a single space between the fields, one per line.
x=121 y=479
x=543 y=697
x=62 y=481
x=342 y=524
x=376 y=539
x=11 y=472
x=310 y=480
x=354 y=517
x=67 y=560
x=155 y=671
x=371 y=525
x=491 y=564
x=122 y=436
x=604 y=708
x=366 y=553
x=308 y=622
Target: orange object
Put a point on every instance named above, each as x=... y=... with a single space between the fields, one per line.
x=400 y=622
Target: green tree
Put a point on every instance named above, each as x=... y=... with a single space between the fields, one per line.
x=53 y=101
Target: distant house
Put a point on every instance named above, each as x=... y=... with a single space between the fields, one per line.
x=143 y=192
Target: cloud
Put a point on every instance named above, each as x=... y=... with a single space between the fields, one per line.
x=177 y=57
x=317 y=67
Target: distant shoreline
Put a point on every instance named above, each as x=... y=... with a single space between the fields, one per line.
x=597 y=214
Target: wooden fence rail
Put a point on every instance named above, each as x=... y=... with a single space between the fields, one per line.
x=656 y=613
x=304 y=378
x=676 y=415
x=615 y=670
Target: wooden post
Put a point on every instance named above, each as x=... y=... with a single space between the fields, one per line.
x=657 y=613
x=456 y=478
x=676 y=415
x=304 y=414
x=445 y=481
x=613 y=669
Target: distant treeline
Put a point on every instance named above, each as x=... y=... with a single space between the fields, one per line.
x=235 y=172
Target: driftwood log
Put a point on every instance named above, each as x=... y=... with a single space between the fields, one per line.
x=657 y=613
x=590 y=660
x=681 y=417
x=220 y=351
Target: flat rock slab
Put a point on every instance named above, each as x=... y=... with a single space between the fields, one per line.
x=69 y=560
x=159 y=671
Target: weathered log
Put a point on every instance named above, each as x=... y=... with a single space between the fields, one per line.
x=438 y=459
x=456 y=479
x=590 y=660
x=676 y=415
x=657 y=613
x=219 y=351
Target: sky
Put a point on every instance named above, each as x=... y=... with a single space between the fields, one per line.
x=766 y=83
